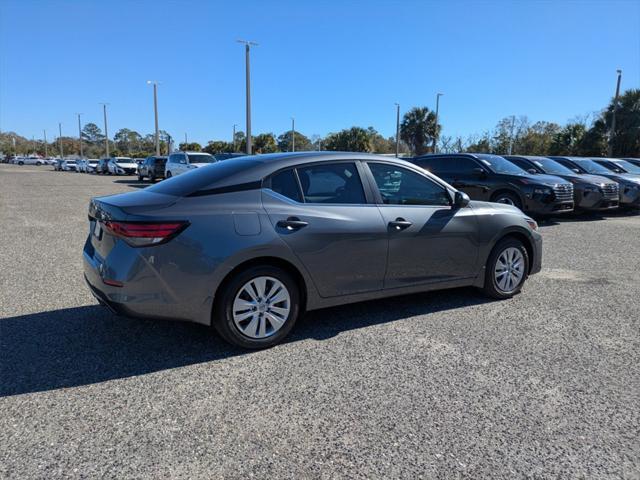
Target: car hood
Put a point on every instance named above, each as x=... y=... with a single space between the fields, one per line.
x=585 y=178
x=126 y=165
x=499 y=207
x=623 y=178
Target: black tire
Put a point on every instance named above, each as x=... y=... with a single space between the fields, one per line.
x=21 y=163
x=491 y=287
x=508 y=198
x=222 y=319
x=140 y=178
x=168 y=175
x=152 y=178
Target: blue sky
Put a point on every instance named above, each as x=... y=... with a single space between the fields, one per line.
x=331 y=64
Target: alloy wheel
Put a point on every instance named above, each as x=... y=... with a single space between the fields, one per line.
x=509 y=270
x=261 y=307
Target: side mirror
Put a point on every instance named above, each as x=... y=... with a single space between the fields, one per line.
x=532 y=171
x=575 y=170
x=460 y=200
x=479 y=171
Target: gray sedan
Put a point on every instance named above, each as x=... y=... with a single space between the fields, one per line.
x=248 y=244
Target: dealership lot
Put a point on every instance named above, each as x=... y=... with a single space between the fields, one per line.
x=443 y=384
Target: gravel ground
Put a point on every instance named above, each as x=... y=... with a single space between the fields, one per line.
x=438 y=385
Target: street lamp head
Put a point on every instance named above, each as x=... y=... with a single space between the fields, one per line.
x=248 y=43
x=619 y=72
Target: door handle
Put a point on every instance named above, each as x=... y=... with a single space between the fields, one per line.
x=292 y=223
x=400 y=224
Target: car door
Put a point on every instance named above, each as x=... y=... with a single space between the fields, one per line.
x=323 y=213
x=429 y=240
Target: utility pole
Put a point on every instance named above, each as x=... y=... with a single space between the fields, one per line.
x=80 y=135
x=155 y=111
x=513 y=126
x=435 y=135
x=46 y=148
x=397 y=130
x=247 y=44
x=106 y=132
x=612 y=132
x=293 y=134
x=60 y=141
x=234 y=137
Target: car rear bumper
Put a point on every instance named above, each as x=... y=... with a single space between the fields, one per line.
x=143 y=293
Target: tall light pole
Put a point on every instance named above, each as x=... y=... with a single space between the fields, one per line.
x=293 y=134
x=234 y=137
x=435 y=135
x=247 y=47
x=612 y=132
x=155 y=111
x=397 y=130
x=80 y=135
x=185 y=139
x=60 y=140
x=106 y=132
x=46 y=148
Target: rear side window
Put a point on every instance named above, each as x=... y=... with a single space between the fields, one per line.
x=286 y=184
x=337 y=183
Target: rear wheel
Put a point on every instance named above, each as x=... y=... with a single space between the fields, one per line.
x=21 y=163
x=152 y=178
x=508 y=198
x=507 y=269
x=168 y=175
x=257 y=308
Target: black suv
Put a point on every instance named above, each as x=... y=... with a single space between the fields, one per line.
x=590 y=192
x=627 y=184
x=152 y=167
x=492 y=178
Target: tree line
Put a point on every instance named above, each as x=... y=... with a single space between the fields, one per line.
x=418 y=130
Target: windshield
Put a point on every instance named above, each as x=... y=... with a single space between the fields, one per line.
x=552 y=167
x=628 y=166
x=592 y=167
x=200 y=158
x=500 y=165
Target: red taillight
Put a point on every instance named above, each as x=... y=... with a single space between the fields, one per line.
x=142 y=234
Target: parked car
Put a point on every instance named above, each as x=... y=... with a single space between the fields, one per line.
x=80 y=165
x=631 y=193
x=590 y=192
x=495 y=179
x=628 y=185
x=57 y=166
x=152 y=167
x=69 y=166
x=90 y=165
x=306 y=231
x=102 y=167
x=28 y=161
x=122 y=166
x=180 y=162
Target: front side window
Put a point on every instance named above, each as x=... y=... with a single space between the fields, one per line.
x=337 y=183
x=285 y=184
x=400 y=186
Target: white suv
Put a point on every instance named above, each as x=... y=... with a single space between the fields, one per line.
x=180 y=162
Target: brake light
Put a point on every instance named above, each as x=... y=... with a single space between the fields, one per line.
x=144 y=234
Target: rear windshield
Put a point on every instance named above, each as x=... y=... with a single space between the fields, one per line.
x=200 y=178
x=200 y=158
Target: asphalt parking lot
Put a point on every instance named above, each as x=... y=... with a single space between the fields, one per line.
x=438 y=385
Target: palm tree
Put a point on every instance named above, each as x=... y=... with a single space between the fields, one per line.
x=418 y=129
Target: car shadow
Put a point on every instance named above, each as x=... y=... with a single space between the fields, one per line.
x=133 y=183
x=85 y=345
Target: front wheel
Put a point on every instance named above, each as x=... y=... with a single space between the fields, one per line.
x=168 y=175
x=257 y=308
x=140 y=178
x=508 y=198
x=507 y=269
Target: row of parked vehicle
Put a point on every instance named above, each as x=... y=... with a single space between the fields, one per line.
x=541 y=185
x=154 y=167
